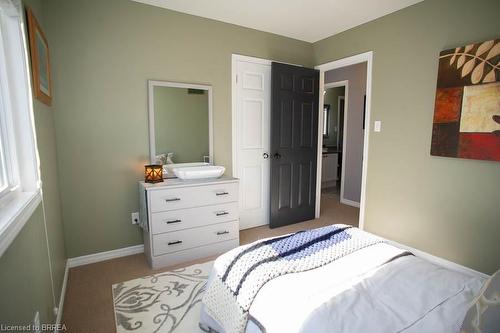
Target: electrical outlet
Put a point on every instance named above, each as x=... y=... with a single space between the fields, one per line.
x=135 y=218
x=36 y=323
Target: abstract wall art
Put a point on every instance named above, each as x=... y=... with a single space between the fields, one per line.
x=467 y=108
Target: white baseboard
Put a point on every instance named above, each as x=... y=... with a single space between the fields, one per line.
x=349 y=202
x=102 y=256
x=61 y=298
x=90 y=259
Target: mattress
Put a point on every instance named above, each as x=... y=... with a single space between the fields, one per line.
x=365 y=291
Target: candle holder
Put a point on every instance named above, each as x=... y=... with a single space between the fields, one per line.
x=153 y=173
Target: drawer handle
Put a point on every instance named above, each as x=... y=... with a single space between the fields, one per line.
x=174 y=243
x=173 y=221
x=222 y=232
x=222 y=213
x=221 y=193
x=173 y=199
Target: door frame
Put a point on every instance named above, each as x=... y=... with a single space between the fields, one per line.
x=343 y=83
x=341 y=98
x=352 y=60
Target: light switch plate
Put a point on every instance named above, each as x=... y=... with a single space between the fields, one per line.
x=377 y=126
x=135 y=218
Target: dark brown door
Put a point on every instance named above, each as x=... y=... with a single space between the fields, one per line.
x=294 y=143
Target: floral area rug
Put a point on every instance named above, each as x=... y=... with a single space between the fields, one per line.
x=163 y=302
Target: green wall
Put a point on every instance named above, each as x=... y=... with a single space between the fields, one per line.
x=181 y=124
x=25 y=283
x=104 y=52
x=446 y=206
x=25 y=277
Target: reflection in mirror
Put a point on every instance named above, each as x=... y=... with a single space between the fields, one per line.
x=179 y=122
x=326 y=121
x=333 y=124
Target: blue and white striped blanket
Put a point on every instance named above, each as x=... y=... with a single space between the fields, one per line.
x=246 y=269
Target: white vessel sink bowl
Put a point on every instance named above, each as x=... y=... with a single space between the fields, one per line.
x=168 y=169
x=199 y=172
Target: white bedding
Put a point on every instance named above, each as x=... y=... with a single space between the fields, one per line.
x=359 y=293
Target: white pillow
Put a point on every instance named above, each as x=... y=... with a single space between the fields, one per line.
x=484 y=314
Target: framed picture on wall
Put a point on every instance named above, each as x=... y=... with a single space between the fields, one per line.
x=40 y=62
x=467 y=107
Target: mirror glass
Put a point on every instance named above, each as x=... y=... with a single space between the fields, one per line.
x=180 y=121
x=333 y=117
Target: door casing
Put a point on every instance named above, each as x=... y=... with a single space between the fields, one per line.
x=344 y=83
x=348 y=61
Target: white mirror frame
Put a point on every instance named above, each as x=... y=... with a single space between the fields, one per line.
x=151 y=111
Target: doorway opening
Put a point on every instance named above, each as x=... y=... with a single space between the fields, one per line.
x=332 y=148
x=342 y=160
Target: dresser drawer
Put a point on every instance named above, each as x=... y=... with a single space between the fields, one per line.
x=190 y=238
x=179 y=219
x=186 y=197
x=204 y=251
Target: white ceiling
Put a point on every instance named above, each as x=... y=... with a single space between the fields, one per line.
x=307 y=20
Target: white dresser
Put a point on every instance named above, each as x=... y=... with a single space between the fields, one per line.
x=187 y=220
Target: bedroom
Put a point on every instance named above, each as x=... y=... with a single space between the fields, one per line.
x=93 y=140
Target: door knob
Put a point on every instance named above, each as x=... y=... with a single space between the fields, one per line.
x=277 y=156
x=265 y=155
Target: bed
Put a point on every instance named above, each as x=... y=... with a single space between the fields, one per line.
x=377 y=287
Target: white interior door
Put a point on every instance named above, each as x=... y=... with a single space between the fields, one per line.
x=251 y=134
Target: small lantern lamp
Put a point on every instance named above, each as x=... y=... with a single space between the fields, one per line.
x=153 y=173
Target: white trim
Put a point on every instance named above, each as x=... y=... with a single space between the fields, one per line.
x=151 y=116
x=439 y=261
x=343 y=83
x=22 y=158
x=352 y=60
x=341 y=98
x=349 y=202
x=19 y=211
x=61 y=297
x=253 y=60
x=107 y=255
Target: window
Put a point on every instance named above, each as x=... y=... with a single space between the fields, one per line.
x=19 y=175
x=3 y=169
x=4 y=179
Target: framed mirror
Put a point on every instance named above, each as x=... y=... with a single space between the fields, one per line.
x=180 y=122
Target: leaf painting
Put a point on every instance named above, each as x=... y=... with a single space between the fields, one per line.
x=466 y=121
x=477 y=63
